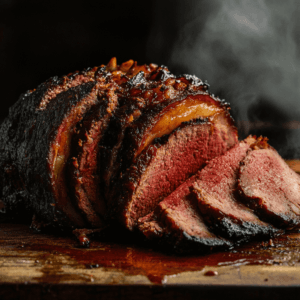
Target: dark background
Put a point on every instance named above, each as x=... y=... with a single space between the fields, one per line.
x=41 y=39
x=249 y=51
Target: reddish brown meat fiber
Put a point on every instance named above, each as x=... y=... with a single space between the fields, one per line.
x=215 y=189
x=164 y=166
x=271 y=188
x=177 y=221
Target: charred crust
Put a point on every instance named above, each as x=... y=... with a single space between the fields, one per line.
x=163 y=75
x=136 y=80
x=241 y=231
x=28 y=149
x=194 y=80
x=172 y=238
x=278 y=220
x=192 y=244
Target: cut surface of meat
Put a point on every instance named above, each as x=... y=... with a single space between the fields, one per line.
x=62 y=117
x=166 y=164
x=177 y=221
x=215 y=188
x=168 y=103
x=158 y=97
x=56 y=85
x=271 y=188
x=193 y=107
x=84 y=165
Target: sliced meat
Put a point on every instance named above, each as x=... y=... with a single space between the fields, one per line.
x=84 y=166
x=137 y=92
x=17 y=131
x=57 y=99
x=62 y=115
x=158 y=118
x=167 y=163
x=215 y=189
x=142 y=94
x=41 y=153
x=177 y=221
x=89 y=139
x=162 y=103
x=270 y=188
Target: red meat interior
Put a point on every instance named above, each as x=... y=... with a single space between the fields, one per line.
x=186 y=151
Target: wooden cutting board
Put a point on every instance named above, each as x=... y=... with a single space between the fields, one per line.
x=119 y=265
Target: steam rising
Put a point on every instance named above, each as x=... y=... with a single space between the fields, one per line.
x=249 y=52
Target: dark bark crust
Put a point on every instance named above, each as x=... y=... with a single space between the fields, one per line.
x=238 y=231
x=177 y=240
x=27 y=135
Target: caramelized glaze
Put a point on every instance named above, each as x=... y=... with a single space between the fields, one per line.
x=192 y=107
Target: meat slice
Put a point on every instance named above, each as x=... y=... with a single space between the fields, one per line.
x=215 y=188
x=137 y=93
x=167 y=163
x=149 y=90
x=270 y=188
x=144 y=99
x=92 y=139
x=177 y=221
x=84 y=165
